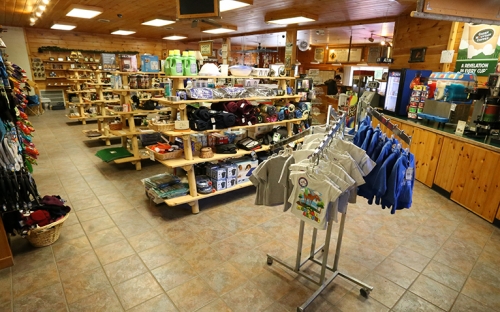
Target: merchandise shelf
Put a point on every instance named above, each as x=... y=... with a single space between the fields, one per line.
x=188 y=198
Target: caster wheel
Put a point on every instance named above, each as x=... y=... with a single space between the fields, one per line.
x=269 y=261
x=364 y=292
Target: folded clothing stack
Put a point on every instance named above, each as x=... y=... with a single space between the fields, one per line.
x=204 y=119
x=244 y=112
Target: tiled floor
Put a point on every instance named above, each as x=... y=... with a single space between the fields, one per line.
x=116 y=252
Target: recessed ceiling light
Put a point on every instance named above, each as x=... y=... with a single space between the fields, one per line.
x=42 y=8
x=158 y=22
x=220 y=30
x=227 y=5
x=174 y=37
x=123 y=32
x=82 y=11
x=63 y=26
x=290 y=18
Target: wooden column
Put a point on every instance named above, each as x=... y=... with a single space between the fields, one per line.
x=226 y=43
x=290 y=50
x=451 y=43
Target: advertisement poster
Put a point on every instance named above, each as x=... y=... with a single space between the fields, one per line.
x=479 y=49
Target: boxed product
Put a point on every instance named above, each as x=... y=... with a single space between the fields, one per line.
x=220 y=139
x=232 y=169
x=108 y=61
x=218 y=173
x=197 y=139
x=219 y=184
x=235 y=135
x=245 y=168
x=209 y=169
x=150 y=63
x=231 y=182
x=256 y=131
x=128 y=62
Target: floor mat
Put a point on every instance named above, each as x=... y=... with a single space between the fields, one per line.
x=113 y=153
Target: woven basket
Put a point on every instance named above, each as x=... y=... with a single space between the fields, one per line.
x=159 y=127
x=115 y=126
x=169 y=155
x=46 y=235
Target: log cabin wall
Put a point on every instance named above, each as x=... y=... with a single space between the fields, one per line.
x=416 y=32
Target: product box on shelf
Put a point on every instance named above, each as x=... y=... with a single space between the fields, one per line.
x=219 y=184
x=232 y=169
x=256 y=131
x=220 y=139
x=150 y=63
x=108 y=62
x=231 y=182
x=245 y=168
x=128 y=62
x=235 y=135
x=218 y=173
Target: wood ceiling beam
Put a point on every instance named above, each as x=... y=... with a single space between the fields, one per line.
x=385 y=19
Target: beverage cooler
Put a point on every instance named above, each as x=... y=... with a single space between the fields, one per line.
x=398 y=92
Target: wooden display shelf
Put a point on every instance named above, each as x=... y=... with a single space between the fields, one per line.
x=126 y=131
x=90 y=117
x=54 y=69
x=80 y=70
x=70 y=62
x=131 y=158
x=135 y=112
x=133 y=90
x=178 y=133
x=284 y=97
x=188 y=198
x=57 y=78
x=102 y=136
x=79 y=79
x=61 y=85
x=180 y=162
x=98 y=84
x=81 y=91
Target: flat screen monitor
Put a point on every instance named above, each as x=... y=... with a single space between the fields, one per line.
x=197 y=8
x=391 y=94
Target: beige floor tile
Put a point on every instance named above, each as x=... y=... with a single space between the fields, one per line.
x=410 y=258
x=493 y=247
x=230 y=247
x=117 y=206
x=213 y=233
x=250 y=263
x=82 y=204
x=126 y=217
x=124 y=269
x=366 y=257
x=137 y=290
x=145 y=240
x=277 y=249
x=69 y=267
x=74 y=247
x=296 y=296
x=23 y=258
x=159 y=255
x=466 y=304
x=198 y=292
x=204 y=260
x=384 y=291
x=412 y=302
x=85 y=284
x=173 y=274
x=434 y=292
x=382 y=244
x=104 y=300
x=114 y=252
x=215 y=306
x=397 y=273
x=50 y=298
x=353 y=301
x=132 y=229
x=27 y=282
x=247 y=295
x=445 y=275
x=274 y=283
x=158 y=303
x=5 y=286
x=71 y=231
x=7 y=307
x=111 y=197
x=458 y=255
x=98 y=224
x=254 y=236
x=105 y=237
x=278 y=307
x=91 y=213
x=224 y=278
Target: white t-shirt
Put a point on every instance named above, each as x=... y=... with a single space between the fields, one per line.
x=359 y=155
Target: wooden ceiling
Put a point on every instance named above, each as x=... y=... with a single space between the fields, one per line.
x=346 y=14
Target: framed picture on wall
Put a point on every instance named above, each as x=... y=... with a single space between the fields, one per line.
x=206 y=48
x=319 y=55
x=417 y=55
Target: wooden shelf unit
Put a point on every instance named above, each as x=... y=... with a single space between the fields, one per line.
x=187 y=163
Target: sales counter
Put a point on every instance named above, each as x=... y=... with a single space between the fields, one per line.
x=465 y=169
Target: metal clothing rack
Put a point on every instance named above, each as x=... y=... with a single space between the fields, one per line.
x=291 y=139
x=387 y=122
x=323 y=282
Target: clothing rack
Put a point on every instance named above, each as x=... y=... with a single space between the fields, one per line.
x=323 y=282
x=291 y=139
x=387 y=122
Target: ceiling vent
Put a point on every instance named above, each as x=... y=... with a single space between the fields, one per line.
x=103 y=20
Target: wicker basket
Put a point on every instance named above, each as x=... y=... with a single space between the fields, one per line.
x=165 y=156
x=115 y=126
x=46 y=235
x=159 y=127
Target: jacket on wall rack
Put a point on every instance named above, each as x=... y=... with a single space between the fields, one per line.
x=391 y=183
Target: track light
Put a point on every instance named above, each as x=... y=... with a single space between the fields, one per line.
x=371 y=38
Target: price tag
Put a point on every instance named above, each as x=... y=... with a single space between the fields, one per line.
x=460 y=127
x=151 y=155
x=453 y=107
x=276 y=137
x=409 y=174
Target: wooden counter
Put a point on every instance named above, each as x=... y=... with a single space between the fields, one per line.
x=6 y=259
x=464 y=170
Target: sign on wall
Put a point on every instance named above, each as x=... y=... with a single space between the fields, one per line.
x=479 y=49
x=319 y=54
x=341 y=55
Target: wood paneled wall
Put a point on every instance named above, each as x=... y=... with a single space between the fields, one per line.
x=414 y=33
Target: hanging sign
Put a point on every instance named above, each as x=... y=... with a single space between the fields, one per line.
x=479 y=49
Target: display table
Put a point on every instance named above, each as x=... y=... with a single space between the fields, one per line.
x=464 y=169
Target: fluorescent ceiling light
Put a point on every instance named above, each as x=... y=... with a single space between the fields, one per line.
x=63 y=26
x=227 y=5
x=81 y=11
x=220 y=30
x=290 y=18
x=123 y=32
x=174 y=37
x=158 y=22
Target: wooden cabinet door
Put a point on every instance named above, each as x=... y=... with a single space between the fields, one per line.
x=426 y=146
x=476 y=183
x=447 y=163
